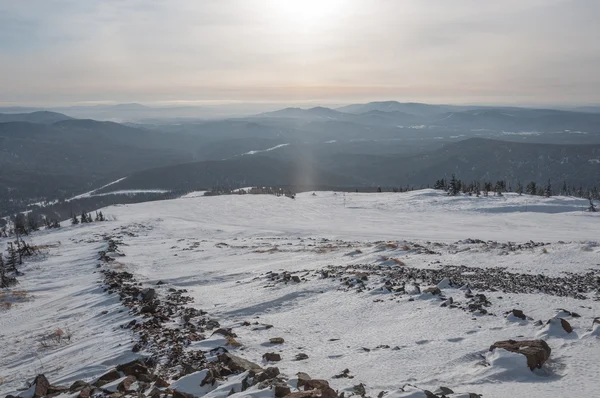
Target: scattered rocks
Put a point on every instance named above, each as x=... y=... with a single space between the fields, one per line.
x=537 y=352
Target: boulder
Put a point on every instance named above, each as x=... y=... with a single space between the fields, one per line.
x=304 y=394
x=55 y=390
x=282 y=390
x=225 y=332
x=302 y=379
x=161 y=383
x=276 y=340
x=148 y=295
x=269 y=373
x=181 y=394
x=237 y=364
x=78 y=386
x=272 y=357
x=566 y=325
x=85 y=392
x=125 y=385
x=519 y=314
x=133 y=368
x=322 y=386
x=536 y=351
x=41 y=386
x=107 y=378
x=300 y=357
x=432 y=290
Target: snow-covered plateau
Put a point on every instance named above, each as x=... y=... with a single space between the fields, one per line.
x=380 y=295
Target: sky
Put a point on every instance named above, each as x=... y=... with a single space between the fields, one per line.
x=327 y=51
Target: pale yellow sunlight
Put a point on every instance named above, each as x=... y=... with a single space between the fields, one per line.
x=308 y=12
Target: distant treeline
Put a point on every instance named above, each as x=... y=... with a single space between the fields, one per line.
x=454 y=186
x=50 y=215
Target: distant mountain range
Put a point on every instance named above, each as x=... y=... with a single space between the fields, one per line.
x=47 y=155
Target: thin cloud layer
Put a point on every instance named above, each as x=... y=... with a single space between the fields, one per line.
x=528 y=51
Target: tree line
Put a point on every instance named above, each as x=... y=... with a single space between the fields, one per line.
x=455 y=186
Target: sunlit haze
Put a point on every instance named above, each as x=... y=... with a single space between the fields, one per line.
x=328 y=51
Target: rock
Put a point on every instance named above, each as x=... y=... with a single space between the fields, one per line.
x=272 y=357
x=107 y=378
x=148 y=295
x=596 y=321
x=78 y=386
x=302 y=379
x=296 y=278
x=433 y=290
x=225 y=332
x=148 y=309
x=566 y=325
x=136 y=348
x=322 y=386
x=238 y=364
x=181 y=394
x=55 y=390
x=269 y=373
x=85 y=392
x=282 y=390
x=41 y=386
x=300 y=357
x=536 y=351
x=133 y=368
x=518 y=314
x=443 y=391
x=276 y=340
x=304 y=394
x=125 y=385
x=161 y=383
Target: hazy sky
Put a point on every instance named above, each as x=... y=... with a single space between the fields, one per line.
x=451 y=51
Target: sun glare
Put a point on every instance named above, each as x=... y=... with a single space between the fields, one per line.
x=309 y=11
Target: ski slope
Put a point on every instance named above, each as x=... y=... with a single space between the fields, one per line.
x=223 y=250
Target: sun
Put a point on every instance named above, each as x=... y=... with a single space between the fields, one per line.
x=309 y=11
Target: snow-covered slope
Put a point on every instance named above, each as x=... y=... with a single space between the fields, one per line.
x=348 y=251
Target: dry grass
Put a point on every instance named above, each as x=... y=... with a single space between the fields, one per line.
x=55 y=338
x=9 y=297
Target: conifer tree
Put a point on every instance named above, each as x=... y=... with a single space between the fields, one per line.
x=592 y=207
x=519 y=189
x=74 y=220
x=453 y=186
x=548 y=191
x=531 y=188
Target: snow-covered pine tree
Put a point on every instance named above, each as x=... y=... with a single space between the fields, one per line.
x=548 y=190
x=531 y=188
x=453 y=186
